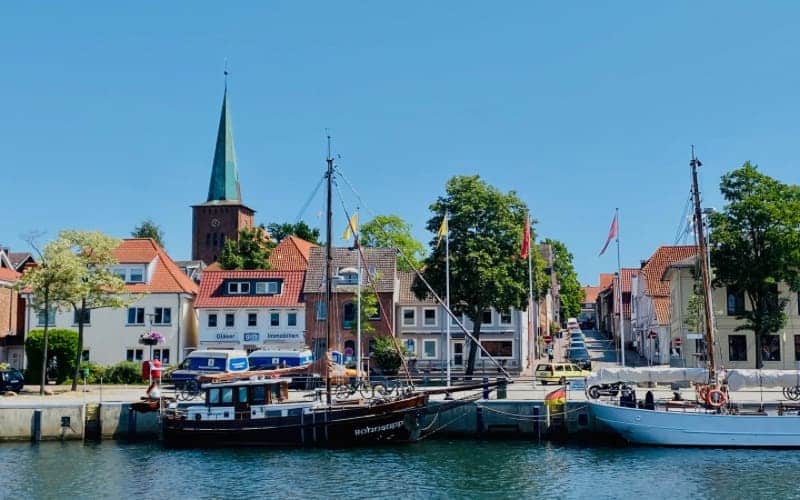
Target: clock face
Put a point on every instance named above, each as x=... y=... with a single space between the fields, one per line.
x=215 y=222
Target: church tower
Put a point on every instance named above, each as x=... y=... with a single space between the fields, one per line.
x=223 y=214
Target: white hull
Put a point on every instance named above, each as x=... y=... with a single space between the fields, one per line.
x=677 y=428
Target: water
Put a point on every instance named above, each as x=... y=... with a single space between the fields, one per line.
x=432 y=469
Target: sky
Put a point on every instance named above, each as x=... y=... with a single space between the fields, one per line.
x=110 y=110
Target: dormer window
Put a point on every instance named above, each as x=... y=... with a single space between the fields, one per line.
x=347 y=276
x=238 y=287
x=267 y=287
x=129 y=273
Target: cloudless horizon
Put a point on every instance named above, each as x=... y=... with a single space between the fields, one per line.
x=111 y=110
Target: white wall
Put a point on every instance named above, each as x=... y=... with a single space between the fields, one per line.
x=242 y=336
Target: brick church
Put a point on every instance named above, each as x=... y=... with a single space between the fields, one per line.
x=223 y=214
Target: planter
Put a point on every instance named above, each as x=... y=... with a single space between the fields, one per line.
x=148 y=341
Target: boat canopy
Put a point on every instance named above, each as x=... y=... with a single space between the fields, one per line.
x=662 y=375
x=738 y=379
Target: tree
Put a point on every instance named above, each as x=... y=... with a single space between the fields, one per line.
x=63 y=344
x=486 y=270
x=755 y=246
x=250 y=251
x=570 y=289
x=149 y=229
x=300 y=229
x=98 y=287
x=390 y=231
x=386 y=356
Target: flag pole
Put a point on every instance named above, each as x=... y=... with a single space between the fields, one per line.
x=447 y=293
x=531 y=332
x=621 y=311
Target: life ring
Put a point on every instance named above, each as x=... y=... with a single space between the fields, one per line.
x=702 y=392
x=716 y=398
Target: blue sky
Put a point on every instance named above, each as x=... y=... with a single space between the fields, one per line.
x=110 y=110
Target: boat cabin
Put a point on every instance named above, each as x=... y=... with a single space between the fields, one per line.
x=246 y=399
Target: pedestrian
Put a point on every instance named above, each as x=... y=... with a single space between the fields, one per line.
x=550 y=353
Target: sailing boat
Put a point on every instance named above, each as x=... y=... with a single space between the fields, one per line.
x=711 y=420
x=254 y=408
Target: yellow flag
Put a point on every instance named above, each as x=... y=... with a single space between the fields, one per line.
x=442 y=230
x=352 y=227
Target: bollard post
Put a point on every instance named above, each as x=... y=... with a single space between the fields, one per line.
x=479 y=420
x=485 y=387
x=36 y=432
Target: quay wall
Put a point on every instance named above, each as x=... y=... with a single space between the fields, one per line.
x=23 y=423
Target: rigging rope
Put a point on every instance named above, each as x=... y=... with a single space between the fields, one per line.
x=309 y=200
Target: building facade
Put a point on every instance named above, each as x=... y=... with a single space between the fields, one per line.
x=12 y=328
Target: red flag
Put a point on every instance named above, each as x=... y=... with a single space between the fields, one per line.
x=613 y=232
x=526 y=240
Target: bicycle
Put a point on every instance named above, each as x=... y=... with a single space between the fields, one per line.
x=792 y=393
x=364 y=388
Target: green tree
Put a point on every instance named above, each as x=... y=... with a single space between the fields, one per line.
x=570 y=289
x=485 y=267
x=250 y=251
x=390 y=231
x=97 y=287
x=62 y=346
x=149 y=229
x=385 y=355
x=755 y=244
x=278 y=231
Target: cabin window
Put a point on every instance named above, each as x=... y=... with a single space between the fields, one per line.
x=275 y=413
x=242 y=397
x=259 y=394
x=737 y=348
x=213 y=396
x=770 y=348
x=227 y=395
x=276 y=392
x=735 y=301
x=295 y=412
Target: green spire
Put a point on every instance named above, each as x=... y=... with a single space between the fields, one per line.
x=224 y=184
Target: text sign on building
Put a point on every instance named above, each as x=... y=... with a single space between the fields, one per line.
x=252 y=336
x=284 y=336
x=219 y=337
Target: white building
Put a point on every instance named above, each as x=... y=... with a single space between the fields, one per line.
x=163 y=298
x=251 y=310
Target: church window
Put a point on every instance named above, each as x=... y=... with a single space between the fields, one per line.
x=215 y=239
x=208 y=239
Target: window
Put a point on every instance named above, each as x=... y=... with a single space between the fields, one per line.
x=486 y=317
x=120 y=273
x=455 y=318
x=229 y=319
x=322 y=311
x=133 y=274
x=51 y=317
x=735 y=301
x=227 y=395
x=770 y=348
x=134 y=354
x=409 y=317
x=85 y=355
x=136 y=275
x=87 y=316
x=242 y=396
x=411 y=347
x=347 y=278
x=212 y=320
x=259 y=394
x=252 y=319
x=238 y=287
x=737 y=348
x=348 y=315
x=267 y=287
x=213 y=396
x=274 y=319
x=429 y=317
x=499 y=348
x=163 y=316
x=161 y=355
x=505 y=317
x=136 y=315
x=292 y=319
x=429 y=348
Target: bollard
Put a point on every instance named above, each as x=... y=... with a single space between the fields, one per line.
x=36 y=432
x=501 y=388
x=479 y=420
x=485 y=387
x=131 y=423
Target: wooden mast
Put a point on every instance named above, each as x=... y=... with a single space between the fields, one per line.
x=705 y=271
x=328 y=274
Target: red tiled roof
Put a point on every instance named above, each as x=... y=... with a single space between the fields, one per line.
x=7 y=274
x=605 y=280
x=291 y=254
x=166 y=277
x=661 y=259
x=627 y=274
x=662 y=308
x=590 y=294
x=211 y=289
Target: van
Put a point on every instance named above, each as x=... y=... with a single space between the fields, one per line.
x=558 y=373
x=572 y=323
x=209 y=362
x=271 y=359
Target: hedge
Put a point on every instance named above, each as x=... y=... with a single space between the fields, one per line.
x=62 y=347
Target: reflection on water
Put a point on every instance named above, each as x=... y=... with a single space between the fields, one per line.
x=432 y=469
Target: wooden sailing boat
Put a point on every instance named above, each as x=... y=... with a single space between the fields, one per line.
x=712 y=420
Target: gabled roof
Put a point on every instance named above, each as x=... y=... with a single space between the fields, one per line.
x=590 y=294
x=605 y=280
x=291 y=254
x=627 y=274
x=406 y=295
x=7 y=274
x=662 y=308
x=20 y=259
x=382 y=259
x=212 y=289
x=663 y=258
x=166 y=275
x=224 y=183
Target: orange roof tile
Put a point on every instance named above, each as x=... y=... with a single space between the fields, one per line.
x=166 y=277
x=590 y=294
x=214 y=266
x=662 y=258
x=605 y=280
x=212 y=292
x=7 y=274
x=662 y=308
x=291 y=254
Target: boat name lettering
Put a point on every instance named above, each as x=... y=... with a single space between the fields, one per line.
x=378 y=428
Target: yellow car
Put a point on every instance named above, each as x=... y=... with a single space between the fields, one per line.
x=558 y=373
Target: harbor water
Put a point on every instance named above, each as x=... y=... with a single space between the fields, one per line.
x=431 y=469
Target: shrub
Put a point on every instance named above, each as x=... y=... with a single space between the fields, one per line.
x=385 y=355
x=62 y=347
x=126 y=372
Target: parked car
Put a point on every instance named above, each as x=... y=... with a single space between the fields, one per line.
x=576 y=344
x=580 y=356
x=573 y=323
x=11 y=379
x=577 y=336
x=558 y=373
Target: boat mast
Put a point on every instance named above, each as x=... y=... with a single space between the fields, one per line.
x=704 y=268
x=328 y=274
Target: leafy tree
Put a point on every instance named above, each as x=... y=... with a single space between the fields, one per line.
x=369 y=309
x=570 y=289
x=300 y=229
x=486 y=270
x=390 y=231
x=97 y=287
x=250 y=251
x=63 y=344
x=149 y=229
x=755 y=245
x=385 y=355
